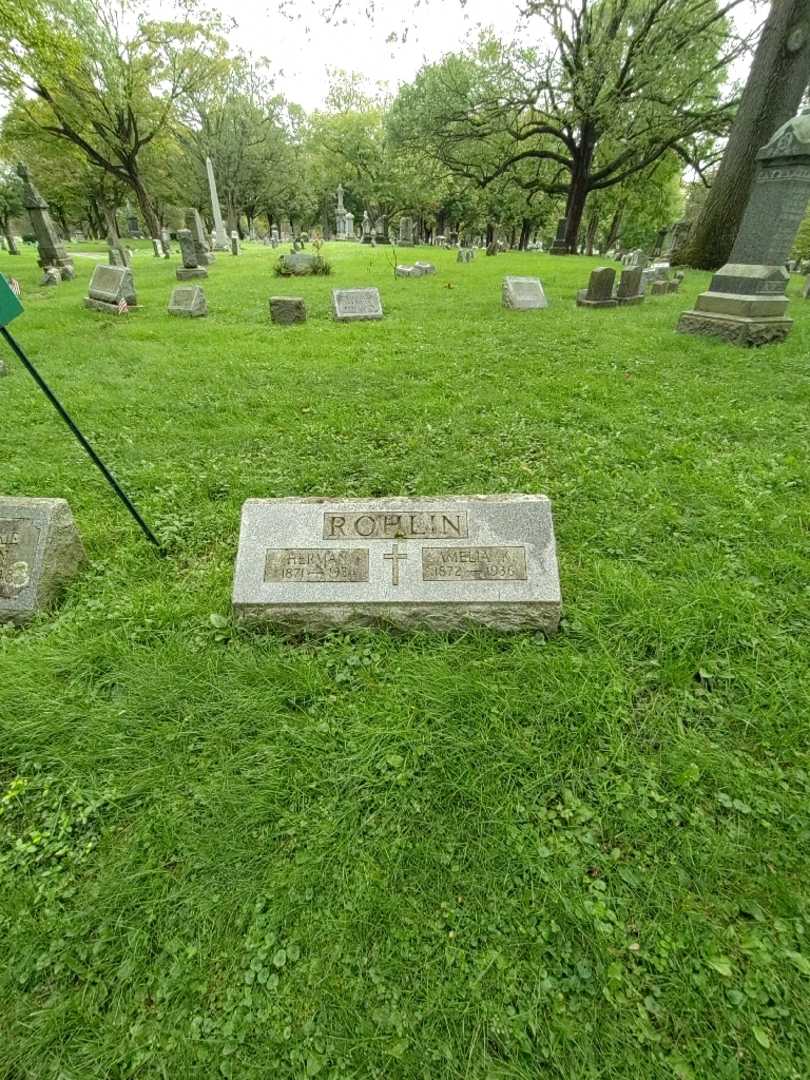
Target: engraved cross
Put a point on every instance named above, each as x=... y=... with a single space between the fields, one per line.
x=394 y=557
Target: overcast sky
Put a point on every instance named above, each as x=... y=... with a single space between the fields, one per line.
x=302 y=47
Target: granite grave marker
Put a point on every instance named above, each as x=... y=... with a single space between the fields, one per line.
x=40 y=551
x=523 y=294
x=356 y=305
x=439 y=563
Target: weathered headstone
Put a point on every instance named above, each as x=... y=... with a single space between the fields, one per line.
x=194 y=224
x=523 y=294
x=51 y=250
x=188 y=301
x=235 y=243
x=465 y=255
x=408 y=271
x=440 y=563
x=274 y=236
x=600 y=289
x=166 y=243
x=559 y=245
x=117 y=251
x=406 y=232
x=286 y=310
x=366 y=226
x=51 y=276
x=355 y=305
x=40 y=552
x=157 y=248
x=628 y=291
x=300 y=263
x=425 y=267
x=111 y=287
x=189 y=254
x=745 y=303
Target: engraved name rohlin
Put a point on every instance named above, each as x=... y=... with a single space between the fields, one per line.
x=391 y=525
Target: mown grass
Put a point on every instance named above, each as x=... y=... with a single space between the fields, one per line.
x=371 y=855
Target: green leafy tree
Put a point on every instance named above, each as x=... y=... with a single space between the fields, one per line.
x=107 y=81
x=621 y=84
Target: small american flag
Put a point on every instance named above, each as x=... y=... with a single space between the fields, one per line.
x=14 y=285
x=123 y=308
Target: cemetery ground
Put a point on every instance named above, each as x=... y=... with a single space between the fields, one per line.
x=239 y=854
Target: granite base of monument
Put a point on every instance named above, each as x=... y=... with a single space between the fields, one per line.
x=735 y=329
x=188 y=273
x=40 y=551
x=434 y=563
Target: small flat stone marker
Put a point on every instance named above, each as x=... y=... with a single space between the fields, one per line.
x=523 y=294
x=354 y=305
x=188 y=301
x=109 y=287
x=425 y=267
x=286 y=310
x=436 y=563
x=40 y=551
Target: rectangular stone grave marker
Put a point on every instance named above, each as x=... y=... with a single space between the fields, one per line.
x=629 y=290
x=600 y=289
x=40 y=551
x=188 y=301
x=287 y=310
x=109 y=287
x=438 y=563
x=523 y=294
x=353 y=305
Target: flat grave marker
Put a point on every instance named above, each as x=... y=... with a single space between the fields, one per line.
x=436 y=563
x=354 y=305
x=523 y=294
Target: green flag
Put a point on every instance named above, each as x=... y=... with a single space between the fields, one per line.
x=10 y=306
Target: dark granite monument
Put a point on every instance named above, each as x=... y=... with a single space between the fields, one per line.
x=746 y=303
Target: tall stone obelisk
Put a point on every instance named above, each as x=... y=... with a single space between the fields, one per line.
x=221 y=242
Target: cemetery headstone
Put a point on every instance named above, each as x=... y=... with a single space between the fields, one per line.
x=40 y=552
x=235 y=243
x=406 y=232
x=166 y=242
x=157 y=248
x=195 y=226
x=435 y=563
x=189 y=254
x=111 y=290
x=465 y=255
x=600 y=289
x=366 y=227
x=523 y=294
x=628 y=291
x=286 y=310
x=117 y=251
x=559 y=245
x=274 y=236
x=300 y=263
x=51 y=276
x=425 y=267
x=408 y=271
x=356 y=305
x=51 y=250
x=746 y=302
x=188 y=301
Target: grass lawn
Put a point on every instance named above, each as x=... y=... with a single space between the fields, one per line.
x=369 y=855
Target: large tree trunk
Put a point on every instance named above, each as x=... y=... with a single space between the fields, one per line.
x=613 y=232
x=775 y=87
x=525 y=233
x=578 y=190
x=146 y=205
x=12 y=247
x=590 y=235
